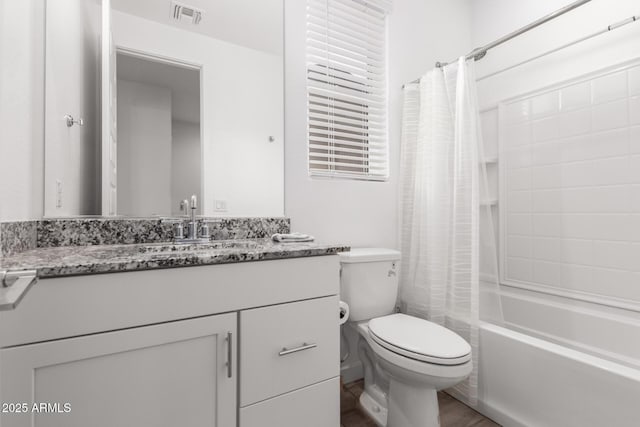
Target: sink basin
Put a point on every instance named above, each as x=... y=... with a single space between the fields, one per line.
x=198 y=247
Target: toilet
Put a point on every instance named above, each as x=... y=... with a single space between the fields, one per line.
x=406 y=359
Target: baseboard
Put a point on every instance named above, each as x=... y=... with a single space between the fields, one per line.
x=351 y=372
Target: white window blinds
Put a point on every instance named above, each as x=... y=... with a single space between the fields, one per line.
x=347 y=88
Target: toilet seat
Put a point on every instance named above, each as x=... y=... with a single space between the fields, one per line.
x=419 y=339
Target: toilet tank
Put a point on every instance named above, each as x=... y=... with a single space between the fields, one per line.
x=369 y=282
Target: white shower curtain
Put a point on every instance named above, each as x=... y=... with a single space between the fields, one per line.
x=442 y=180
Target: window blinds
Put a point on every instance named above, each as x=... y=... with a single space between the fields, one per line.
x=347 y=88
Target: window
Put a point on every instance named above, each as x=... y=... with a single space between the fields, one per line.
x=347 y=88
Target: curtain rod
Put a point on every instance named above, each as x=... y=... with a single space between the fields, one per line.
x=609 y=28
x=480 y=52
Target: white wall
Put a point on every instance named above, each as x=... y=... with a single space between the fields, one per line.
x=72 y=83
x=363 y=213
x=493 y=18
x=144 y=149
x=185 y=153
x=241 y=107
x=21 y=109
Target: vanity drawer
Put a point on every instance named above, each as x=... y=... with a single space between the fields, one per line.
x=288 y=346
x=314 y=406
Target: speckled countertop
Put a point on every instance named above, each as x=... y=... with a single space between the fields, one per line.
x=82 y=260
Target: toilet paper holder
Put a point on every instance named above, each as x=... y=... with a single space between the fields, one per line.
x=343 y=312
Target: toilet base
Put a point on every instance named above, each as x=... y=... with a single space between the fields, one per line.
x=376 y=411
x=411 y=406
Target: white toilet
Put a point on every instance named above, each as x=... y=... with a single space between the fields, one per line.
x=405 y=359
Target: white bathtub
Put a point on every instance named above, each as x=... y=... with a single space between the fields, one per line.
x=526 y=381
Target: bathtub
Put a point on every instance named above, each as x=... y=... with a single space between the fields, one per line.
x=528 y=381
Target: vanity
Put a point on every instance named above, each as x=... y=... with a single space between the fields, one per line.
x=145 y=108
x=236 y=333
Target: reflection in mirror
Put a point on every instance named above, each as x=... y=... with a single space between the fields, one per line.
x=158 y=135
x=72 y=151
x=192 y=93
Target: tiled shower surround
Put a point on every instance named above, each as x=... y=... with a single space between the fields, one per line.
x=19 y=236
x=571 y=194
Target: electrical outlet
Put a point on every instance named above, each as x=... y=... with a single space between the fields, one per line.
x=58 y=193
x=220 y=205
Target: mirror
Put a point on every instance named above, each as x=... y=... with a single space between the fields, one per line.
x=158 y=140
x=151 y=101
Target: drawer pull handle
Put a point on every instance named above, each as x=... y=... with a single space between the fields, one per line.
x=229 y=354
x=303 y=347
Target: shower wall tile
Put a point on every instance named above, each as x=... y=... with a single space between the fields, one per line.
x=615 y=255
x=634 y=169
x=546 y=273
x=518 y=134
x=610 y=115
x=520 y=202
x=546 y=248
x=571 y=185
x=576 y=251
x=519 y=157
x=519 y=224
x=489 y=124
x=546 y=177
x=619 y=283
x=575 y=96
x=520 y=269
x=546 y=153
x=634 y=81
x=575 y=123
x=545 y=104
x=634 y=110
x=634 y=139
x=547 y=128
x=634 y=199
x=635 y=256
x=519 y=179
x=520 y=246
x=605 y=144
x=609 y=87
x=575 y=276
x=518 y=111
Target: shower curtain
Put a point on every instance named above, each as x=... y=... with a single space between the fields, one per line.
x=446 y=236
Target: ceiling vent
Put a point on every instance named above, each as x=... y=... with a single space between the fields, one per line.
x=184 y=13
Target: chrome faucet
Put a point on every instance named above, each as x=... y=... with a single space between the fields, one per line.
x=195 y=234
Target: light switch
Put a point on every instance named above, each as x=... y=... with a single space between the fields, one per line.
x=220 y=205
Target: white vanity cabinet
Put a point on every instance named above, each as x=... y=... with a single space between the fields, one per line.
x=171 y=374
x=195 y=346
x=289 y=364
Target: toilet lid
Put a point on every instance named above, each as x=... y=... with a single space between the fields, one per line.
x=420 y=339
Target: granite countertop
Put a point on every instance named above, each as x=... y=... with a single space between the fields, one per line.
x=82 y=260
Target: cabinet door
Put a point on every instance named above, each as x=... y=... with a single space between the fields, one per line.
x=172 y=374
